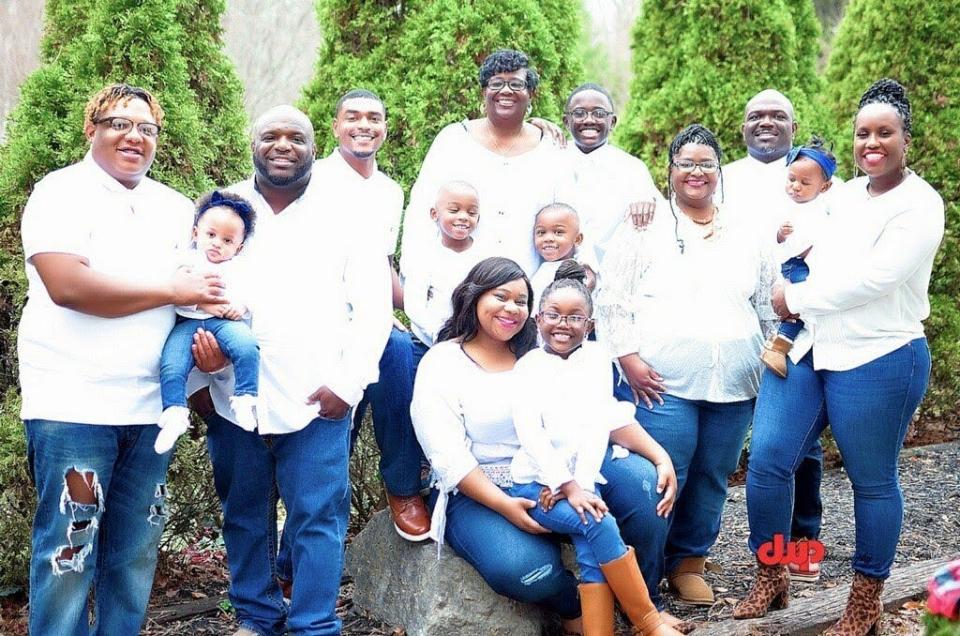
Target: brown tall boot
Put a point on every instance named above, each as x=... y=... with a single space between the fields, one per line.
x=864 y=608
x=771 y=590
x=596 y=602
x=624 y=578
x=774 y=354
x=687 y=582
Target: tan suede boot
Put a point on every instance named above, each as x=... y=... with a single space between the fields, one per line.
x=688 y=584
x=863 y=611
x=770 y=590
x=624 y=578
x=774 y=354
x=596 y=602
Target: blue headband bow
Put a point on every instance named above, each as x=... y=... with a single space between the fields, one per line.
x=827 y=163
x=216 y=200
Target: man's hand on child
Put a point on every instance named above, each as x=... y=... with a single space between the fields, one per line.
x=666 y=486
x=584 y=501
x=195 y=288
x=207 y=354
x=785 y=230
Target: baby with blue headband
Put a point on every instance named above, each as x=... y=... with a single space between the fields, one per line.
x=810 y=171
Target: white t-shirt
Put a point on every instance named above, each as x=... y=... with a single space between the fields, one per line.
x=231 y=273
x=75 y=367
x=427 y=292
x=512 y=190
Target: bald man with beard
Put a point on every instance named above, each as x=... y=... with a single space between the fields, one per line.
x=320 y=300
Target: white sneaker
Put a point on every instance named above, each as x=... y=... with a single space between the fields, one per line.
x=174 y=422
x=245 y=408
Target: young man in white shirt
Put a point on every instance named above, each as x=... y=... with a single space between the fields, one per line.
x=755 y=188
x=321 y=313
x=100 y=241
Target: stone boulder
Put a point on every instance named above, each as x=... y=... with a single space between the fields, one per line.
x=404 y=584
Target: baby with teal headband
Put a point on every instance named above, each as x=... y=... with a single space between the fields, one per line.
x=810 y=171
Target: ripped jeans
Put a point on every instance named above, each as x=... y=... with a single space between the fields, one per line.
x=101 y=506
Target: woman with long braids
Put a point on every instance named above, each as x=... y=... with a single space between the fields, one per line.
x=681 y=310
x=866 y=362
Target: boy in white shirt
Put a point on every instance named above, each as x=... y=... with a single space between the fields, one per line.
x=427 y=290
x=810 y=169
x=557 y=237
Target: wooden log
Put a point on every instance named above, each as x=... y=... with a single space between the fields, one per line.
x=808 y=616
x=180 y=611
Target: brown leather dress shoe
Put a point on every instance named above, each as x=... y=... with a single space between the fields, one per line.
x=410 y=517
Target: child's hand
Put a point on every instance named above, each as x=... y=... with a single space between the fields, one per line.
x=584 y=501
x=234 y=312
x=666 y=485
x=785 y=230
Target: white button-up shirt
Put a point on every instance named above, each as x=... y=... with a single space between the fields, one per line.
x=564 y=411
x=600 y=186
x=511 y=191
x=75 y=367
x=320 y=305
x=869 y=274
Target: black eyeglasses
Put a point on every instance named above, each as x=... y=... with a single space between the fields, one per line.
x=516 y=85
x=706 y=167
x=123 y=125
x=581 y=114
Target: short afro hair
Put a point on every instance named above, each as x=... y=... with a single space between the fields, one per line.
x=508 y=61
x=589 y=86
x=358 y=93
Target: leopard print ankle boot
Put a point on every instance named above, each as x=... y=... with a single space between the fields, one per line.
x=771 y=590
x=863 y=611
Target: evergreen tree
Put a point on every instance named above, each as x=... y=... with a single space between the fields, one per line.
x=701 y=61
x=63 y=22
x=915 y=43
x=422 y=58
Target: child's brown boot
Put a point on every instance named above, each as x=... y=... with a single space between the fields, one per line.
x=774 y=354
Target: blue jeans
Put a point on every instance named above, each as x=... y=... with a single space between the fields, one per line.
x=704 y=440
x=869 y=409
x=527 y=567
x=807 y=506
x=111 y=543
x=390 y=397
x=794 y=270
x=234 y=338
x=595 y=542
x=307 y=469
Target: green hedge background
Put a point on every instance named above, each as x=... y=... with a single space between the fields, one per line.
x=695 y=60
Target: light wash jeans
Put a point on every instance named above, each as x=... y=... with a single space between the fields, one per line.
x=110 y=544
x=869 y=409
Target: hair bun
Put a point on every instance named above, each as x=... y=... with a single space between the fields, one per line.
x=571 y=270
x=891 y=92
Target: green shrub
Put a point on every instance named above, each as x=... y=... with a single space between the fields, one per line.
x=422 y=57
x=17 y=496
x=915 y=43
x=940 y=626
x=701 y=60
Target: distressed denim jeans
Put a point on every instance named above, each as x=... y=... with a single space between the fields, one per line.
x=869 y=409
x=307 y=469
x=101 y=506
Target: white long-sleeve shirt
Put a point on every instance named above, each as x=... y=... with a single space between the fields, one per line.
x=320 y=297
x=600 y=186
x=76 y=367
x=511 y=191
x=693 y=316
x=427 y=292
x=564 y=411
x=869 y=274
x=463 y=417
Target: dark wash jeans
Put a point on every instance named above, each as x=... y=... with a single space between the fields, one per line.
x=869 y=409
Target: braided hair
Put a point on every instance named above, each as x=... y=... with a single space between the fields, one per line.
x=892 y=93
x=570 y=275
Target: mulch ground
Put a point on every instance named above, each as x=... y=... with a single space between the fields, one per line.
x=930 y=477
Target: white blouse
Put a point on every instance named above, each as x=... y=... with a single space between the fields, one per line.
x=564 y=410
x=511 y=191
x=463 y=417
x=869 y=271
x=693 y=315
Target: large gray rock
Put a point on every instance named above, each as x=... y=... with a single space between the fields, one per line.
x=404 y=584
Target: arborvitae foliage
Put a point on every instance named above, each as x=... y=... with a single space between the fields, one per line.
x=64 y=21
x=422 y=58
x=913 y=42
x=701 y=60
